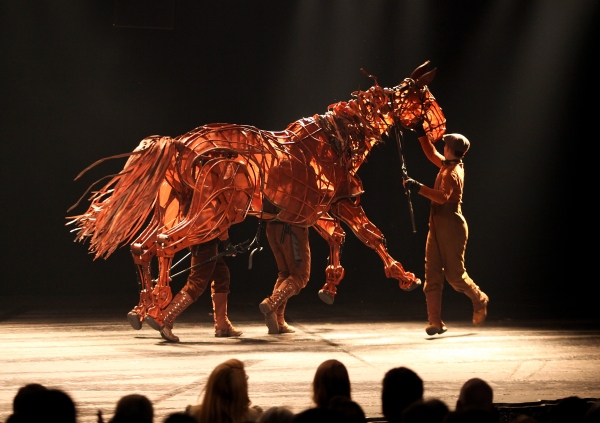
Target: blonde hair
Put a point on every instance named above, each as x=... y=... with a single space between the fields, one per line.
x=225 y=394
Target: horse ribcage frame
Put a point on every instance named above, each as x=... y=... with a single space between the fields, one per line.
x=295 y=169
x=221 y=197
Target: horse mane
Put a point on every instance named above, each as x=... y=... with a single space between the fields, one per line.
x=357 y=125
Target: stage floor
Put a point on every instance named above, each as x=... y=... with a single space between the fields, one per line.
x=86 y=347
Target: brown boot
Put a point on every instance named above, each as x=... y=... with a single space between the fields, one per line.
x=181 y=301
x=434 y=313
x=223 y=327
x=281 y=323
x=480 y=301
x=269 y=306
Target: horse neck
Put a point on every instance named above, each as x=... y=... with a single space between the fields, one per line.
x=378 y=124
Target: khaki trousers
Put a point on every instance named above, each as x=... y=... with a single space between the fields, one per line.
x=292 y=253
x=445 y=249
x=215 y=271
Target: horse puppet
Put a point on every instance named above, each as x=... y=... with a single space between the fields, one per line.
x=192 y=188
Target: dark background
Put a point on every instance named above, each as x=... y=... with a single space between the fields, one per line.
x=516 y=77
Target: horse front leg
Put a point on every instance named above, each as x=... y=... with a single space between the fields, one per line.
x=354 y=216
x=330 y=229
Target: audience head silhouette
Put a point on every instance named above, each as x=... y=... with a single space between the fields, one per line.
x=401 y=387
x=133 y=408
x=475 y=394
x=349 y=411
x=23 y=400
x=430 y=411
x=593 y=413
x=472 y=415
x=570 y=410
x=179 y=418
x=277 y=415
x=317 y=415
x=34 y=403
x=331 y=380
x=225 y=396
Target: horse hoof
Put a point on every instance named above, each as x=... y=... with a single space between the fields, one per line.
x=152 y=323
x=134 y=320
x=413 y=286
x=326 y=297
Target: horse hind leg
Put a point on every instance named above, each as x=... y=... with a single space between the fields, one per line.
x=142 y=255
x=161 y=295
x=136 y=316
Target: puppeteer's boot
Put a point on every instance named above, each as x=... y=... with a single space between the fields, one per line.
x=281 y=323
x=223 y=327
x=480 y=301
x=434 y=313
x=269 y=306
x=181 y=301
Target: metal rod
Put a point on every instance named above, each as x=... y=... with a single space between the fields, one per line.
x=399 y=139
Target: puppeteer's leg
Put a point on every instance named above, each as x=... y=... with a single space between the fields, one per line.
x=434 y=283
x=480 y=301
x=180 y=302
x=283 y=326
x=220 y=291
x=292 y=254
x=434 y=313
x=196 y=284
x=453 y=237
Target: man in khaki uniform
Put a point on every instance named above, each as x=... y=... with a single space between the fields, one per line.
x=448 y=231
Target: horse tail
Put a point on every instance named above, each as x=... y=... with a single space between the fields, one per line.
x=118 y=210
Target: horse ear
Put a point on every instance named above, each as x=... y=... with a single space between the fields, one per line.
x=426 y=78
x=416 y=74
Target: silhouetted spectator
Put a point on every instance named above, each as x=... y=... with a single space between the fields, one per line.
x=277 y=415
x=350 y=411
x=226 y=396
x=179 y=418
x=317 y=415
x=475 y=394
x=59 y=405
x=429 y=411
x=43 y=405
x=24 y=400
x=331 y=380
x=593 y=413
x=401 y=387
x=471 y=416
x=569 y=410
x=21 y=399
x=133 y=408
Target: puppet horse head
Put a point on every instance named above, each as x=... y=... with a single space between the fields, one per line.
x=359 y=124
x=413 y=104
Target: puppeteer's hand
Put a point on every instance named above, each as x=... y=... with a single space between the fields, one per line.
x=227 y=247
x=411 y=184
